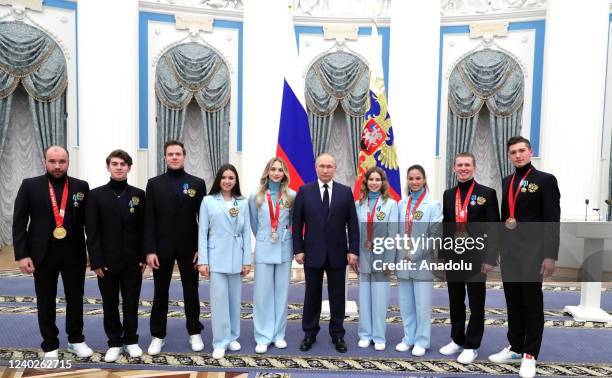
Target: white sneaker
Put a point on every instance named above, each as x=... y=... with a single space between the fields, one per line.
x=80 y=349
x=450 y=349
x=112 y=354
x=467 y=356
x=133 y=350
x=51 y=355
x=218 y=353
x=402 y=347
x=418 y=351
x=234 y=346
x=505 y=356
x=380 y=346
x=261 y=348
x=196 y=343
x=528 y=366
x=156 y=346
x=363 y=343
x=280 y=344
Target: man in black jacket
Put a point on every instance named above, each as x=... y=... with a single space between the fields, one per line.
x=530 y=245
x=52 y=243
x=470 y=210
x=171 y=233
x=114 y=225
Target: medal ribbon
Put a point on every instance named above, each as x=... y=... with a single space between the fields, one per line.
x=461 y=208
x=58 y=213
x=513 y=197
x=370 y=218
x=410 y=214
x=274 y=212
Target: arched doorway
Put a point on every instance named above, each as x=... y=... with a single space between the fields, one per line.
x=337 y=90
x=33 y=81
x=192 y=88
x=485 y=103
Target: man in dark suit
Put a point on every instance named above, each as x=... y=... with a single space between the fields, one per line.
x=114 y=225
x=326 y=210
x=470 y=210
x=171 y=233
x=531 y=212
x=52 y=243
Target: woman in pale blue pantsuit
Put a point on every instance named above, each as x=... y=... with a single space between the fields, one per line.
x=374 y=284
x=420 y=216
x=224 y=254
x=271 y=209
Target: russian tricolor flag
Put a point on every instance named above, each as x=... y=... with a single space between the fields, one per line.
x=294 y=143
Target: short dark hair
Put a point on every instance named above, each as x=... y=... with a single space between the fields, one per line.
x=174 y=142
x=518 y=139
x=467 y=155
x=55 y=146
x=120 y=154
x=216 y=186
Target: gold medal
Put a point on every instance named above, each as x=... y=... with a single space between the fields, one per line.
x=233 y=212
x=59 y=233
x=511 y=223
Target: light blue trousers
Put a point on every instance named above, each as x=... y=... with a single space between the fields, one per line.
x=374 y=293
x=225 y=294
x=415 y=308
x=270 y=301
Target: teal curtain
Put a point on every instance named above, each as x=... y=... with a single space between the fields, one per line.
x=488 y=78
x=185 y=72
x=337 y=79
x=32 y=58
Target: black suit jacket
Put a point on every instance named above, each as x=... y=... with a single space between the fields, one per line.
x=34 y=206
x=114 y=236
x=171 y=224
x=325 y=237
x=483 y=219
x=537 y=211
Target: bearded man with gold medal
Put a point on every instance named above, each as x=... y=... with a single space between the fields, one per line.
x=49 y=239
x=470 y=210
x=530 y=244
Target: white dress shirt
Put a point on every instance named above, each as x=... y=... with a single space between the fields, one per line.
x=330 y=185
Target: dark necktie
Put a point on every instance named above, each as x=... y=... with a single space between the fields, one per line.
x=325 y=201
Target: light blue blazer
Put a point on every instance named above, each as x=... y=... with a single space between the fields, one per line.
x=382 y=228
x=224 y=242
x=267 y=252
x=429 y=225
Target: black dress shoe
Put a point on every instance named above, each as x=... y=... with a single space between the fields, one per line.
x=307 y=343
x=340 y=344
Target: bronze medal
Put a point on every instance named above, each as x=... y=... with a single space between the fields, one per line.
x=511 y=223
x=59 y=233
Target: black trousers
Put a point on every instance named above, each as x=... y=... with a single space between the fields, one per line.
x=127 y=281
x=61 y=257
x=476 y=291
x=191 y=297
x=525 y=303
x=312 y=300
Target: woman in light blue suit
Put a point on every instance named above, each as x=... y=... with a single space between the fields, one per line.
x=271 y=209
x=377 y=214
x=420 y=217
x=224 y=254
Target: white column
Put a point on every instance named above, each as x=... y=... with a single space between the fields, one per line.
x=573 y=99
x=413 y=83
x=264 y=28
x=108 y=85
